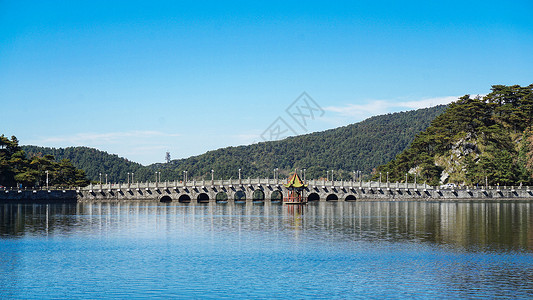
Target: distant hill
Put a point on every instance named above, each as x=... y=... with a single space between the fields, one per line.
x=476 y=141
x=360 y=146
x=91 y=160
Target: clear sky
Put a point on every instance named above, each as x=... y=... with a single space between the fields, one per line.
x=139 y=78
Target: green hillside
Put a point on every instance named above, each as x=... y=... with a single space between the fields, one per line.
x=474 y=141
x=360 y=146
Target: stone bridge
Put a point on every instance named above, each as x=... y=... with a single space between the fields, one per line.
x=274 y=190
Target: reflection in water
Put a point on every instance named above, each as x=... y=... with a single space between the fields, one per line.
x=296 y=211
x=493 y=225
x=250 y=250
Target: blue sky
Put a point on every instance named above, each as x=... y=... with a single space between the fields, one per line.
x=139 y=78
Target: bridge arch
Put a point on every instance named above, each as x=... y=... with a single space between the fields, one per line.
x=165 y=199
x=313 y=197
x=221 y=196
x=184 y=198
x=276 y=196
x=332 y=197
x=350 y=198
x=239 y=196
x=202 y=197
x=258 y=195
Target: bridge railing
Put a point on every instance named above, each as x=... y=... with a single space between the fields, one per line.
x=367 y=184
x=273 y=182
x=41 y=188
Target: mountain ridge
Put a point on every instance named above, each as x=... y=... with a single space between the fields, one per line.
x=359 y=146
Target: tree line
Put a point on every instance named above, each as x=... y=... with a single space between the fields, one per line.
x=94 y=162
x=478 y=140
x=19 y=170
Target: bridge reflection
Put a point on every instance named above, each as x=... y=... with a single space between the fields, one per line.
x=472 y=224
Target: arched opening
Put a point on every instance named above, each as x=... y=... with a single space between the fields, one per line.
x=221 y=197
x=276 y=196
x=332 y=197
x=258 y=195
x=350 y=198
x=240 y=196
x=184 y=198
x=313 y=197
x=165 y=199
x=203 y=197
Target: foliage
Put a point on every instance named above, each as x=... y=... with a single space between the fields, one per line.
x=475 y=140
x=16 y=168
x=94 y=162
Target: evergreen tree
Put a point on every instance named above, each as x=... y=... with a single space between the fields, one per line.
x=475 y=140
x=16 y=168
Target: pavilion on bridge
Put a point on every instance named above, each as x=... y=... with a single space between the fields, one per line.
x=296 y=193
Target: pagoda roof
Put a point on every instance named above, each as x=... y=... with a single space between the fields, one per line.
x=295 y=182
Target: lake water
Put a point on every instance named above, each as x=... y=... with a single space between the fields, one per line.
x=323 y=250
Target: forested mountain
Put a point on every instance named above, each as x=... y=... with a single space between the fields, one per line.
x=360 y=146
x=477 y=140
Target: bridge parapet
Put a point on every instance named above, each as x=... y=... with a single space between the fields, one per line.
x=273 y=182
x=267 y=182
x=269 y=190
x=274 y=190
x=255 y=182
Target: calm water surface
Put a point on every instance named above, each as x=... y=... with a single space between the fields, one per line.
x=323 y=250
